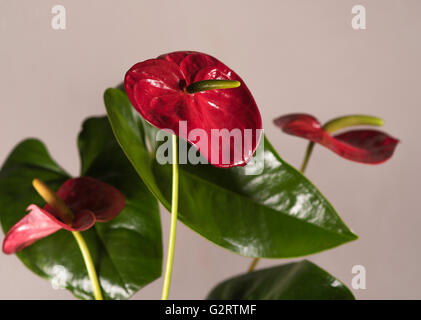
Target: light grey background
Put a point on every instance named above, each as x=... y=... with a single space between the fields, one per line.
x=295 y=56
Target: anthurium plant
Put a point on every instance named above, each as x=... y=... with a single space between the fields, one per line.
x=185 y=131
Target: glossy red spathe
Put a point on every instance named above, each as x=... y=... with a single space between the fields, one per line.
x=85 y=193
x=156 y=88
x=89 y=199
x=362 y=145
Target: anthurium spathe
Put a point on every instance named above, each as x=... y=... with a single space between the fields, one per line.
x=361 y=145
x=205 y=94
x=88 y=199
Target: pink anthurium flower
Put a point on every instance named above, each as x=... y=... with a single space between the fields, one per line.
x=180 y=86
x=90 y=200
x=362 y=145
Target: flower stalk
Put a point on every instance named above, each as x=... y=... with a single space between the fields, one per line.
x=174 y=211
x=89 y=265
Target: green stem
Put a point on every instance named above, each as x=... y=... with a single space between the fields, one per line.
x=253 y=264
x=174 y=207
x=212 y=85
x=89 y=265
x=307 y=155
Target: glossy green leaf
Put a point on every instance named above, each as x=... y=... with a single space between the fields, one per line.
x=127 y=251
x=293 y=281
x=276 y=214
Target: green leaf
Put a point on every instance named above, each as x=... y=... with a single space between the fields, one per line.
x=293 y=281
x=275 y=214
x=127 y=251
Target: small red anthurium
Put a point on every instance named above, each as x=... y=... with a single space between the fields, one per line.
x=76 y=206
x=204 y=93
x=361 y=145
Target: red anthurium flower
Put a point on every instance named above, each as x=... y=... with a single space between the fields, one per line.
x=164 y=92
x=90 y=200
x=363 y=145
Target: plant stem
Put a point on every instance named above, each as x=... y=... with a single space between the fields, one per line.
x=174 y=207
x=307 y=155
x=253 y=264
x=302 y=169
x=89 y=265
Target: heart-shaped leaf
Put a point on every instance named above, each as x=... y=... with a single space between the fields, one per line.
x=277 y=213
x=127 y=251
x=293 y=281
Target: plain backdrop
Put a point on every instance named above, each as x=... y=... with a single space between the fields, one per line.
x=295 y=56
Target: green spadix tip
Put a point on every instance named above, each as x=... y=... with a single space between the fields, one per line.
x=205 y=85
x=351 y=121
